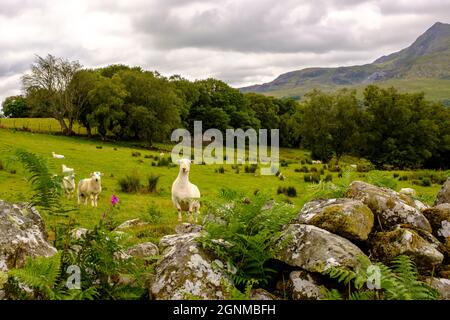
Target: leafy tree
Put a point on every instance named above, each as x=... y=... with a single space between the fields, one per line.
x=16 y=107
x=48 y=83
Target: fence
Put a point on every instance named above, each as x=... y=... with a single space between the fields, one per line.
x=40 y=125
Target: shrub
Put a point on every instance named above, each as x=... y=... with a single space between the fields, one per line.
x=220 y=170
x=426 y=182
x=251 y=229
x=322 y=171
x=99 y=147
x=291 y=191
x=250 y=168
x=297 y=170
x=153 y=183
x=148 y=156
x=302 y=162
x=313 y=177
x=153 y=214
x=328 y=177
x=364 y=167
x=153 y=164
x=313 y=169
x=340 y=174
x=334 y=168
x=2 y=167
x=283 y=163
x=163 y=162
x=396 y=175
x=135 y=154
x=13 y=171
x=131 y=183
x=403 y=178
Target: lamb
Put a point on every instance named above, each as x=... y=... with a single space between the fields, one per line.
x=67 y=170
x=316 y=162
x=69 y=185
x=185 y=195
x=57 y=156
x=90 y=187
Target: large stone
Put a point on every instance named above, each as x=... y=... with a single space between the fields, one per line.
x=348 y=218
x=261 y=294
x=443 y=195
x=439 y=217
x=403 y=241
x=131 y=224
x=304 y=286
x=185 y=270
x=390 y=207
x=314 y=249
x=441 y=285
x=22 y=235
x=143 y=250
x=188 y=228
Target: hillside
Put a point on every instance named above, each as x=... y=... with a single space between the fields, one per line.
x=424 y=66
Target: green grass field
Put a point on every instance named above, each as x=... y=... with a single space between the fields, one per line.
x=115 y=161
x=39 y=125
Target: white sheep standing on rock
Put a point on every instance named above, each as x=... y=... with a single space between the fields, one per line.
x=69 y=185
x=185 y=195
x=90 y=187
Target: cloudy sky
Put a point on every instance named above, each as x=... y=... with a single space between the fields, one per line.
x=241 y=42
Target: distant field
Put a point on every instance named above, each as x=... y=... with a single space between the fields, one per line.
x=83 y=155
x=42 y=125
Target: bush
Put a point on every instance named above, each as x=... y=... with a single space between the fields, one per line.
x=302 y=162
x=220 y=170
x=153 y=214
x=340 y=174
x=153 y=183
x=13 y=171
x=289 y=191
x=322 y=171
x=251 y=229
x=130 y=183
x=284 y=163
x=135 y=154
x=148 y=156
x=334 y=168
x=164 y=162
x=313 y=177
x=328 y=178
x=99 y=147
x=396 y=175
x=364 y=167
x=313 y=169
x=403 y=178
x=251 y=168
x=153 y=164
x=2 y=167
x=426 y=182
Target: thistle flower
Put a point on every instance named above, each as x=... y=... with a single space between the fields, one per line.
x=114 y=200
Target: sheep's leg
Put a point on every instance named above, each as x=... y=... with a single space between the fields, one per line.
x=191 y=209
x=78 y=198
x=96 y=200
x=92 y=200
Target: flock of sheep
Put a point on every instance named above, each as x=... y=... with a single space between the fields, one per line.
x=185 y=195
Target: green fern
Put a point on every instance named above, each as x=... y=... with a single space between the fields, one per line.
x=47 y=188
x=398 y=282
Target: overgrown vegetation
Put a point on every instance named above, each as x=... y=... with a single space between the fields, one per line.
x=248 y=229
x=396 y=282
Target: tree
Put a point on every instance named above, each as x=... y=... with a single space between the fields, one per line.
x=16 y=107
x=48 y=83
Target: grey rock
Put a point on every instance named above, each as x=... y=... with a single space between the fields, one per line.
x=304 y=286
x=443 y=195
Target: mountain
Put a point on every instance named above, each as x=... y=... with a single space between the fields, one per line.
x=423 y=66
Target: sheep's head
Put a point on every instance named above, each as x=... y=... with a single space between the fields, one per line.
x=96 y=176
x=185 y=165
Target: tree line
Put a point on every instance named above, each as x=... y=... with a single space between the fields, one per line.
x=129 y=103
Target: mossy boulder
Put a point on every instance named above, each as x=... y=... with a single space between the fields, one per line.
x=261 y=294
x=22 y=235
x=186 y=271
x=304 y=286
x=439 y=217
x=314 y=249
x=389 y=207
x=424 y=251
x=443 y=195
x=442 y=285
x=348 y=218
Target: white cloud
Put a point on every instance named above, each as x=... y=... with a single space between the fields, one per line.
x=239 y=41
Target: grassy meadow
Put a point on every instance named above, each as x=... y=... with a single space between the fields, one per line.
x=116 y=161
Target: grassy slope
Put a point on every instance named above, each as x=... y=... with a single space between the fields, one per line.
x=437 y=90
x=83 y=155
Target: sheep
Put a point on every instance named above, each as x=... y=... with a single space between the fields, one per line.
x=316 y=162
x=185 y=195
x=69 y=185
x=67 y=169
x=90 y=187
x=354 y=166
x=161 y=155
x=57 y=156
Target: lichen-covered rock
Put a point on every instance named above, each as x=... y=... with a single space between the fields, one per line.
x=408 y=191
x=78 y=233
x=131 y=223
x=403 y=241
x=348 y=218
x=390 y=207
x=304 y=286
x=22 y=235
x=185 y=270
x=261 y=294
x=439 y=218
x=188 y=228
x=443 y=195
x=314 y=249
x=143 y=250
x=441 y=285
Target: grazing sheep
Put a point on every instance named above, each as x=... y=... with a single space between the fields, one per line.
x=185 y=195
x=316 y=162
x=408 y=191
x=69 y=185
x=90 y=187
x=354 y=166
x=57 y=156
x=67 y=170
x=161 y=155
